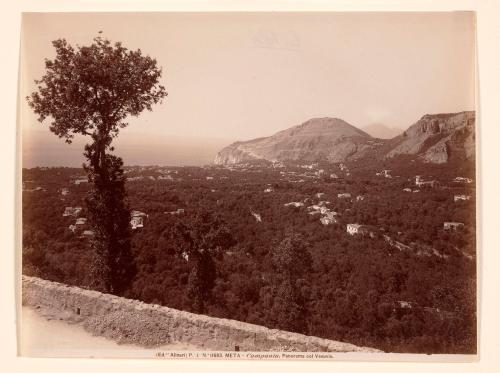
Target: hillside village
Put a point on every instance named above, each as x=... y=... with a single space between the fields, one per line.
x=327 y=206
x=353 y=215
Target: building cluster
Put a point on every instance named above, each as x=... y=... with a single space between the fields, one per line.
x=384 y=173
x=80 y=225
x=328 y=216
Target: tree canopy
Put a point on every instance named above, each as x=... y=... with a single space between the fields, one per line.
x=90 y=90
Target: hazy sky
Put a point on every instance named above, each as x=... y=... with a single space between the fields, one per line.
x=239 y=76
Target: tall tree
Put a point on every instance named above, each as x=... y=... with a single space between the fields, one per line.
x=291 y=260
x=91 y=90
x=200 y=242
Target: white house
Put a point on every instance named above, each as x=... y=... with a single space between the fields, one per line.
x=460 y=179
x=295 y=204
x=353 y=229
x=419 y=181
x=72 y=211
x=175 y=212
x=448 y=225
x=137 y=219
x=81 y=221
x=136 y=222
x=344 y=195
x=461 y=197
x=328 y=219
x=80 y=181
x=87 y=233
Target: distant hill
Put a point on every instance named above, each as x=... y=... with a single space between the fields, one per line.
x=328 y=139
x=381 y=131
x=434 y=138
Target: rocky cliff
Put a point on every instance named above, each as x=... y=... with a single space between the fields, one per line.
x=434 y=138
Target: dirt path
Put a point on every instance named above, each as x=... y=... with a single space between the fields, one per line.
x=46 y=336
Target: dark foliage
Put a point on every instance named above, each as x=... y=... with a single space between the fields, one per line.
x=356 y=289
x=90 y=91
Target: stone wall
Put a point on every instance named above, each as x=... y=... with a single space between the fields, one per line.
x=144 y=324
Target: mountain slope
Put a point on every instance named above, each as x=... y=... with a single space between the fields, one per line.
x=435 y=138
x=329 y=139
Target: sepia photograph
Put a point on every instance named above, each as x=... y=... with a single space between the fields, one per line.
x=248 y=185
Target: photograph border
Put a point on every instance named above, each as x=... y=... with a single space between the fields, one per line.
x=480 y=171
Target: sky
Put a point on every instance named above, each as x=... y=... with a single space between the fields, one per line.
x=237 y=76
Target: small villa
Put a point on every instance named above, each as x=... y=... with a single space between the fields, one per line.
x=354 y=229
x=87 y=233
x=175 y=212
x=80 y=222
x=329 y=218
x=461 y=197
x=72 y=211
x=460 y=179
x=137 y=219
x=452 y=225
x=344 y=195
x=137 y=222
x=80 y=181
x=419 y=181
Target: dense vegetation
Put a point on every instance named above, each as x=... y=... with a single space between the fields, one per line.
x=288 y=270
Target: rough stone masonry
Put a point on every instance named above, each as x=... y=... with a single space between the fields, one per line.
x=149 y=325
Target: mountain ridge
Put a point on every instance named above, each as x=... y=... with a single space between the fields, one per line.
x=433 y=138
